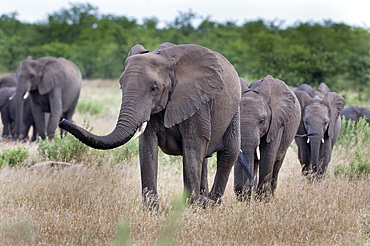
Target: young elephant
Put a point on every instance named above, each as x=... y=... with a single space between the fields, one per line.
x=269 y=119
x=8 y=108
x=318 y=131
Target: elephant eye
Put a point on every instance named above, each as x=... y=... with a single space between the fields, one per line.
x=32 y=76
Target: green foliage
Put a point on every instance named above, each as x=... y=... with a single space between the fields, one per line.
x=87 y=105
x=360 y=167
x=62 y=149
x=353 y=133
x=13 y=157
x=329 y=52
x=127 y=151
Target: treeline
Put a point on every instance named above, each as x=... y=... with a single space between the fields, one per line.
x=329 y=52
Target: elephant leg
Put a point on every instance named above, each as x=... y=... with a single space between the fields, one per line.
x=275 y=174
x=238 y=180
x=38 y=117
x=266 y=166
x=148 y=152
x=68 y=115
x=204 y=181
x=56 y=111
x=226 y=158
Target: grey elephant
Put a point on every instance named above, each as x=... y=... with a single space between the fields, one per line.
x=318 y=131
x=187 y=98
x=355 y=113
x=54 y=85
x=321 y=92
x=269 y=118
x=8 y=81
x=8 y=108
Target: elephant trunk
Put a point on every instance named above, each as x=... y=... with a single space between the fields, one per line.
x=315 y=143
x=127 y=124
x=19 y=116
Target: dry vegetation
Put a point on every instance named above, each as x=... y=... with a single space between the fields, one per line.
x=101 y=203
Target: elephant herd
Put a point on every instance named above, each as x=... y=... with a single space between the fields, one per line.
x=40 y=94
x=189 y=100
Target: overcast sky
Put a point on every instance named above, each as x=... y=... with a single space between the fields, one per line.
x=351 y=12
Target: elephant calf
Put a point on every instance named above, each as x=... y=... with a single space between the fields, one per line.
x=8 y=108
x=318 y=131
x=269 y=119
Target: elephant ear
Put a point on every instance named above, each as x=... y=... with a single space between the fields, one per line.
x=137 y=49
x=53 y=74
x=282 y=103
x=336 y=104
x=164 y=46
x=197 y=78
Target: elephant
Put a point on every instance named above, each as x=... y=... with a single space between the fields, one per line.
x=322 y=90
x=185 y=100
x=8 y=81
x=8 y=108
x=318 y=131
x=269 y=118
x=355 y=113
x=54 y=85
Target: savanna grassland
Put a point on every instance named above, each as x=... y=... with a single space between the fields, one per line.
x=100 y=203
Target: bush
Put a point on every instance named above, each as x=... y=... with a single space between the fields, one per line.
x=64 y=149
x=13 y=156
x=86 y=105
x=360 y=167
x=353 y=133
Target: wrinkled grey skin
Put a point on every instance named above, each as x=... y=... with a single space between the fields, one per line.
x=8 y=81
x=190 y=96
x=54 y=85
x=269 y=118
x=8 y=108
x=355 y=113
x=321 y=120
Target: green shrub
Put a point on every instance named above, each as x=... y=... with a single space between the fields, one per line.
x=62 y=149
x=87 y=105
x=353 y=133
x=360 y=167
x=13 y=156
x=128 y=150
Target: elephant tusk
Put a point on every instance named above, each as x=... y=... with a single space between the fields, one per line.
x=26 y=95
x=322 y=140
x=141 y=130
x=308 y=140
x=12 y=97
x=258 y=152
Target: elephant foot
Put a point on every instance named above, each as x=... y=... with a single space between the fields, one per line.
x=151 y=202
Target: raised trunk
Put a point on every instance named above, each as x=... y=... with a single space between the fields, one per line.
x=127 y=124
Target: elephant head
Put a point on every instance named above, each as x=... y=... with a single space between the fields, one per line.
x=319 y=127
x=266 y=106
x=36 y=76
x=174 y=79
x=8 y=81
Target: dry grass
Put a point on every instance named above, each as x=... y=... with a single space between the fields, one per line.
x=88 y=206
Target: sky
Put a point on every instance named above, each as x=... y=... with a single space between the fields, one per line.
x=288 y=12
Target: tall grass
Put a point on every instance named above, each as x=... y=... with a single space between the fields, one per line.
x=102 y=205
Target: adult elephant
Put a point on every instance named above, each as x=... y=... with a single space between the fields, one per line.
x=8 y=111
x=355 y=113
x=188 y=98
x=269 y=118
x=54 y=85
x=318 y=131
